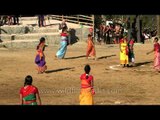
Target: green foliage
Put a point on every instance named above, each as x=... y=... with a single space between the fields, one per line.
x=148 y=21
x=98 y=20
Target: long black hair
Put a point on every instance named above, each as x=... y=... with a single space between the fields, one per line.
x=28 y=80
x=42 y=39
x=87 y=69
x=156 y=38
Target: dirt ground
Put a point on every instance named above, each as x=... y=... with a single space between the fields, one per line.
x=60 y=85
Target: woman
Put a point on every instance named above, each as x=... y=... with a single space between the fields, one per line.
x=156 y=49
x=64 y=42
x=124 y=51
x=87 y=91
x=29 y=94
x=40 y=57
x=90 y=48
x=62 y=26
x=131 y=52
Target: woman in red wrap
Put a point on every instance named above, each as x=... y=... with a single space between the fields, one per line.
x=29 y=94
x=87 y=91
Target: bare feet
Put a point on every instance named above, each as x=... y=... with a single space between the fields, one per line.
x=94 y=58
x=55 y=57
x=40 y=72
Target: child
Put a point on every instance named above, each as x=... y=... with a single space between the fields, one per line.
x=131 y=52
x=87 y=91
x=90 y=48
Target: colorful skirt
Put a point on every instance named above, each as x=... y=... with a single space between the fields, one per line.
x=40 y=62
x=157 y=61
x=91 y=51
x=86 y=97
x=62 y=50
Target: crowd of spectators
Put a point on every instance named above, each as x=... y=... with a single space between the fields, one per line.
x=110 y=32
x=9 y=20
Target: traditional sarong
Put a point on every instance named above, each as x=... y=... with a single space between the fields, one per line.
x=29 y=95
x=86 y=97
x=40 y=58
x=123 y=52
x=90 y=49
x=86 y=93
x=40 y=61
x=157 y=56
x=63 y=47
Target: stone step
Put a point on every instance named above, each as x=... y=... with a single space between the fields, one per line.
x=35 y=35
x=15 y=40
x=80 y=33
x=28 y=18
x=50 y=22
x=21 y=44
x=29 y=36
x=21 y=29
x=46 y=30
x=28 y=43
x=16 y=29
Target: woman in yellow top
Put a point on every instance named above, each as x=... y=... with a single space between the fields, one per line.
x=123 y=45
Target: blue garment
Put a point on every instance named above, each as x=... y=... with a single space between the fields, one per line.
x=63 y=48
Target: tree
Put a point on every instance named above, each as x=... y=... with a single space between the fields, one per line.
x=158 y=24
x=98 y=20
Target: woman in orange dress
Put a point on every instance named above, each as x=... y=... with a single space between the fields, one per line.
x=87 y=91
x=90 y=47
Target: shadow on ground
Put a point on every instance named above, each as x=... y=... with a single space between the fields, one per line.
x=104 y=57
x=57 y=70
x=142 y=63
x=75 y=57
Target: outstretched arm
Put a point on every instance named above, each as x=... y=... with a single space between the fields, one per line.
x=21 y=99
x=38 y=98
x=120 y=47
x=92 y=85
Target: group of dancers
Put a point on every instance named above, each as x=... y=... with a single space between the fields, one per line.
x=29 y=94
x=64 y=42
x=127 y=56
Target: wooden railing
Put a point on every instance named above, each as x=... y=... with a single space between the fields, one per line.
x=77 y=19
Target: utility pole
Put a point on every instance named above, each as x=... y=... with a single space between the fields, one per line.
x=138 y=29
x=129 y=27
x=1 y=20
x=158 y=25
x=93 y=27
